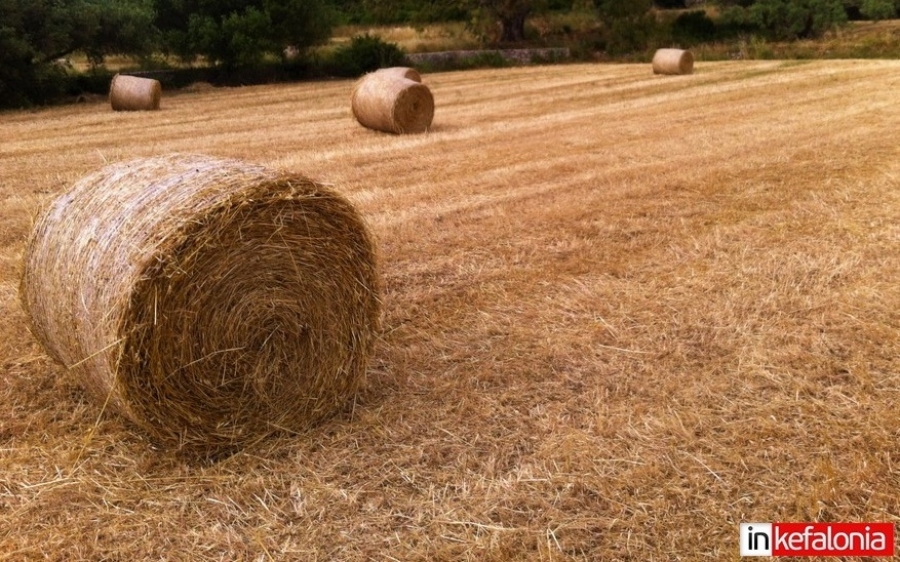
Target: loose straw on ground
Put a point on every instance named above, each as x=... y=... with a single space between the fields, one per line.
x=673 y=61
x=132 y=93
x=389 y=100
x=212 y=302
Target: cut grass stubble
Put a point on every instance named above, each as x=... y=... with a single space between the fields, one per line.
x=622 y=315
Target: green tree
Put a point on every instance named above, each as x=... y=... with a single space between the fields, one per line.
x=18 y=74
x=241 y=32
x=879 y=9
x=365 y=53
x=793 y=19
x=58 y=28
x=503 y=20
x=493 y=20
x=35 y=33
x=628 y=26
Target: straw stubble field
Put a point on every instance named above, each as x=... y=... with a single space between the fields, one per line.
x=623 y=314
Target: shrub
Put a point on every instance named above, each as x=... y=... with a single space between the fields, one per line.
x=797 y=19
x=628 y=27
x=878 y=9
x=365 y=53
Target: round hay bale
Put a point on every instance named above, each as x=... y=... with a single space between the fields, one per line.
x=402 y=72
x=673 y=61
x=132 y=93
x=393 y=104
x=212 y=302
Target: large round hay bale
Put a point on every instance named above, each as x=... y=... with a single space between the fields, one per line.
x=673 y=61
x=386 y=102
x=401 y=72
x=210 y=301
x=132 y=93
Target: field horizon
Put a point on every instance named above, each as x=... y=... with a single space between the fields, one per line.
x=623 y=313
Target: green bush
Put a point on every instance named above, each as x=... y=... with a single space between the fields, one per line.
x=878 y=9
x=23 y=84
x=628 y=27
x=797 y=19
x=365 y=53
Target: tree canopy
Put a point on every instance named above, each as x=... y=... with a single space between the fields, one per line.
x=241 y=32
x=798 y=19
x=509 y=14
x=56 y=28
x=35 y=33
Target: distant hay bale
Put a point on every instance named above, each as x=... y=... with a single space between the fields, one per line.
x=401 y=72
x=386 y=102
x=212 y=302
x=132 y=93
x=673 y=61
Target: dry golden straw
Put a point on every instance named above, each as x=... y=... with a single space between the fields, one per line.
x=673 y=61
x=386 y=101
x=210 y=301
x=131 y=93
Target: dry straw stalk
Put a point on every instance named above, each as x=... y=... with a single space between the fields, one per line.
x=673 y=61
x=210 y=301
x=132 y=93
x=387 y=100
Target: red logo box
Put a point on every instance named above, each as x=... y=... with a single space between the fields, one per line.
x=817 y=539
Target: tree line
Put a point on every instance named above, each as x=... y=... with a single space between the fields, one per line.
x=36 y=34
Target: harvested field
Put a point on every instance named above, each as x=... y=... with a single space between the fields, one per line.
x=623 y=314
